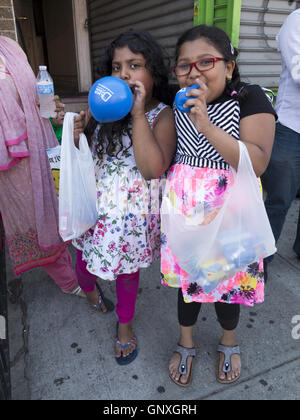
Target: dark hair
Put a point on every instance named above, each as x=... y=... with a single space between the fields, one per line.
x=220 y=40
x=139 y=42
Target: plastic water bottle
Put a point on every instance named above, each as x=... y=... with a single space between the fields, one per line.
x=45 y=90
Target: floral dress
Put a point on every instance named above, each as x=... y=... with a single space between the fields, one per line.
x=126 y=236
x=246 y=287
x=198 y=161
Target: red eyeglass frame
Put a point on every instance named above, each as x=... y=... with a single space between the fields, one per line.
x=194 y=64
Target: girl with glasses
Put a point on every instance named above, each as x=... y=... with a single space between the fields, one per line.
x=223 y=110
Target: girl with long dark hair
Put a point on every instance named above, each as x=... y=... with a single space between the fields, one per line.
x=127 y=153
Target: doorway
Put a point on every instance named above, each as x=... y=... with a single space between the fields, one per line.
x=46 y=33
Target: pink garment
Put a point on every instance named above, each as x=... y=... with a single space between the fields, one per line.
x=28 y=200
x=127 y=288
x=62 y=272
x=86 y=280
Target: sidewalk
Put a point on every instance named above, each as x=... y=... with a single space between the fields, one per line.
x=70 y=348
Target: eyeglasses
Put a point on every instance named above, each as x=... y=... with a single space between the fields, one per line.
x=202 y=65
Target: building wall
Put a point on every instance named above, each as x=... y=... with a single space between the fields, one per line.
x=7 y=22
x=260 y=22
x=164 y=19
x=252 y=26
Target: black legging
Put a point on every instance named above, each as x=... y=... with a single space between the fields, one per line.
x=228 y=314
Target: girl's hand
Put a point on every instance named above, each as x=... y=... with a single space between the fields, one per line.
x=139 y=99
x=79 y=126
x=60 y=110
x=198 y=113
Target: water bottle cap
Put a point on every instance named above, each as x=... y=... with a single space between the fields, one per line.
x=41 y=68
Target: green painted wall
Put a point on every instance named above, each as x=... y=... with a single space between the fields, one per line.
x=222 y=13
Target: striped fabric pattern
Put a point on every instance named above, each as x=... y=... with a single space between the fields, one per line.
x=193 y=148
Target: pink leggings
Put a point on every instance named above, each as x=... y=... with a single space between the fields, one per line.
x=126 y=284
x=62 y=272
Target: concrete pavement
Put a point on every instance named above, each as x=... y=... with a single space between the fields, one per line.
x=62 y=350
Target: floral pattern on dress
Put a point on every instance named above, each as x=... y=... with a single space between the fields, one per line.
x=126 y=236
x=26 y=253
x=246 y=288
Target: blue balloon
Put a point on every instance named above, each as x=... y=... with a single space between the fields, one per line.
x=181 y=98
x=110 y=99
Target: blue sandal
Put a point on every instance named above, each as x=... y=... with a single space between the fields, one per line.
x=108 y=303
x=125 y=360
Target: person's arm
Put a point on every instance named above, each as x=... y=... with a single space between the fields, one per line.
x=153 y=149
x=60 y=112
x=256 y=131
x=80 y=122
x=289 y=45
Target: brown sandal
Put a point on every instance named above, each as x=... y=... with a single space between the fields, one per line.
x=182 y=368
x=226 y=368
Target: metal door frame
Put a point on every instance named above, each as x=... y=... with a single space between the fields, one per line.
x=5 y=381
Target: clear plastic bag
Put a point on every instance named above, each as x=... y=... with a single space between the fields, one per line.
x=77 y=184
x=239 y=235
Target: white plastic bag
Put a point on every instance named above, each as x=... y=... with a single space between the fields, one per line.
x=238 y=236
x=77 y=185
x=54 y=160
